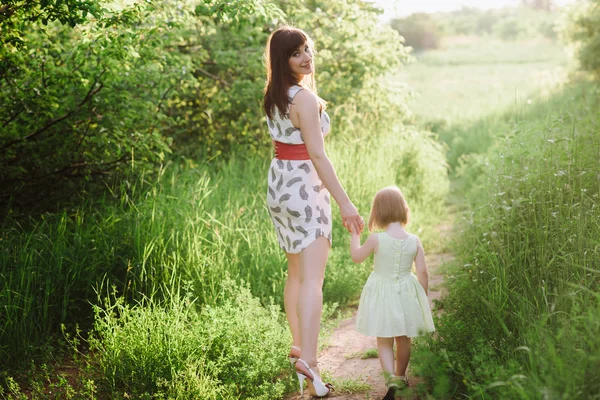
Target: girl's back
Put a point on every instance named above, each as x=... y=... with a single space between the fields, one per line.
x=393 y=303
x=394 y=257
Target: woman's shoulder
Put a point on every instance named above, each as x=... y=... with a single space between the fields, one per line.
x=293 y=90
x=297 y=90
x=305 y=98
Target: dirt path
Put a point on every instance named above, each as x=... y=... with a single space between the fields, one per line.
x=341 y=359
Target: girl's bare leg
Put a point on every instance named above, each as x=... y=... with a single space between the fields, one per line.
x=385 y=348
x=310 y=299
x=402 y=354
x=290 y=296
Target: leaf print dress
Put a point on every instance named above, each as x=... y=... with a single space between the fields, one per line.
x=299 y=204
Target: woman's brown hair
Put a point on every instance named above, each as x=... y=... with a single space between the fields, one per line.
x=389 y=206
x=280 y=46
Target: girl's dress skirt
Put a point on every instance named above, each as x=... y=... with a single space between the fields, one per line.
x=391 y=307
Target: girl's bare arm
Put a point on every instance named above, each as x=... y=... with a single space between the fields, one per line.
x=421 y=267
x=360 y=253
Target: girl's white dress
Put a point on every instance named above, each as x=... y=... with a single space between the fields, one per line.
x=393 y=302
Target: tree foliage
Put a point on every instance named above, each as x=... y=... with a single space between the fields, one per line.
x=79 y=102
x=546 y=5
x=580 y=27
x=420 y=31
x=16 y=15
x=89 y=88
x=505 y=23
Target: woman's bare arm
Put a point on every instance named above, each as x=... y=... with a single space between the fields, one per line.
x=306 y=108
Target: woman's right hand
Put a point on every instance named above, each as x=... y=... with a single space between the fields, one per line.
x=351 y=219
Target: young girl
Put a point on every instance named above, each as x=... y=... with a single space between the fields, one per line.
x=393 y=304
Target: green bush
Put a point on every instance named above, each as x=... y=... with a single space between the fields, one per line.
x=420 y=31
x=224 y=105
x=14 y=13
x=86 y=101
x=125 y=88
x=169 y=349
x=580 y=29
x=511 y=28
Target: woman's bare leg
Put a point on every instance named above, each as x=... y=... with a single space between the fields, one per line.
x=290 y=296
x=310 y=300
x=402 y=354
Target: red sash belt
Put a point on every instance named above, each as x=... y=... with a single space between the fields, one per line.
x=284 y=151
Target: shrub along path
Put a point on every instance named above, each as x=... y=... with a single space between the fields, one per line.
x=341 y=359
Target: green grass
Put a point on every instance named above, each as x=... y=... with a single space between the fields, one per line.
x=346 y=386
x=521 y=318
x=464 y=91
x=196 y=225
x=370 y=353
x=227 y=351
x=158 y=249
x=469 y=77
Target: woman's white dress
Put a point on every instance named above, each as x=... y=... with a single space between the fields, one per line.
x=299 y=204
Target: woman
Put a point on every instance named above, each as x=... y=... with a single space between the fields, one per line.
x=300 y=179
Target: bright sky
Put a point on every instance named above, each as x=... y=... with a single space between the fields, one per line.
x=403 y=8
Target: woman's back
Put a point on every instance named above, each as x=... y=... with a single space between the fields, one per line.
x=281 y=128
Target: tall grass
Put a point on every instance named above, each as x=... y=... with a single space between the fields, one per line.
x=521 y=317
x=168 y=349
x=198 y=224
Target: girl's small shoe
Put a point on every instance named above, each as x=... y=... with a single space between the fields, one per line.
x=294 y=354
x=394 y=384
x=316 y=387
x=403 y=381
x=391 y=393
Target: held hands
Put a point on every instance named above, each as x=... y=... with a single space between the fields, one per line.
x=354 y=232
x=351 y=219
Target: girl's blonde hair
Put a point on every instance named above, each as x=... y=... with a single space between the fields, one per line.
x=389 y=206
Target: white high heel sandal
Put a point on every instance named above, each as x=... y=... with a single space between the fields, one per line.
x=292 y=357
x=316 y=387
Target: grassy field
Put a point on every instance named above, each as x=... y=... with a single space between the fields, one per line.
x=464 y=90
x=522 y=315
x=521 y=319
x=170 y=286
